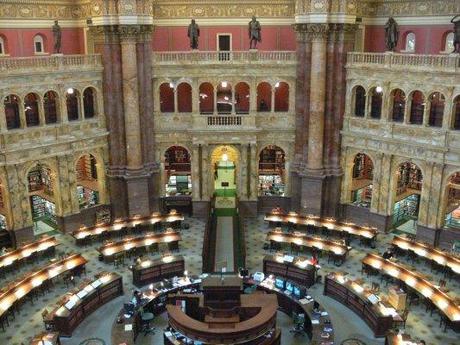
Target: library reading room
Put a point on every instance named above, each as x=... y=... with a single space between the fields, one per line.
x=241 y=172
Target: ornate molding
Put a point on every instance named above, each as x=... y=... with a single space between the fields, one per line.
x=407 y=8
x=317 y=32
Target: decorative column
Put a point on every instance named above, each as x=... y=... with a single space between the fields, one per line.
x=41 y=113
x=244 y=176
x=196 y=169
x=3 y=126
x=253 y=173
x=312 y=183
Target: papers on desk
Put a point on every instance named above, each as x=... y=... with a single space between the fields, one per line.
x=96 y=283
x=128 y=327
x=288 y=258
x=324 y=313
x=373 y=299
x=315 y=322
x=305 y=301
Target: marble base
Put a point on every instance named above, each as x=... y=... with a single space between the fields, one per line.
x=267 y=203
x=19 y=236
x=331 y=196
x=138 y=196
x=363 y=216
x=248 y=208
x=312 y=190
x=447 y=237
x=201 y=208
x=428 y=235
x=72 y=222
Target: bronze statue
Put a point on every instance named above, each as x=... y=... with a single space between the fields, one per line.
x=57 y=37
x=254 y=33
x=391 y=34
x=456 y=22
x=193 y=34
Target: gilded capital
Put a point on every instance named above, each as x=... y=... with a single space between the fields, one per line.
x=317 y=32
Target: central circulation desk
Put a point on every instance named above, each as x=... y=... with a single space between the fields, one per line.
x=428 y=252
x=315 y=323
x=363 y=232
x=446 y=304
x=353 y=295
x=108 y=250
x=336 y=249
x=299 y=270
x=79 y=305
x=147 y=271
x=16 y=290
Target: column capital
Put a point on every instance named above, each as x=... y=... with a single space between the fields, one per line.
x=317 y=32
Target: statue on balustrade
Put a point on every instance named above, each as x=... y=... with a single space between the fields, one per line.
x=456 y=22
x=57 y=37
x=254 y=33
x=193 y=34
x=391 y=34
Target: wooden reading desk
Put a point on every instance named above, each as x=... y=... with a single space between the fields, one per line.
x=147 y=270
x=447 y=305
x=336 y=249
x=46 y=244
x=108 y=250
x=17 y=290
x=118 y=225
x=364 y=232
x=299 y=270
x=49 y=338
x=428 y=252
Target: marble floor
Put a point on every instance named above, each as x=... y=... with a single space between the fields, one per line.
x=95 y=330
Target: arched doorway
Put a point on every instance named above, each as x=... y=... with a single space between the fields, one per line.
x=41 y=182
x=362 y=177
x=407 y=197
x=272 y=171
x=224 y=165
x=453 y=201
x=87 y=181
x=178 y=170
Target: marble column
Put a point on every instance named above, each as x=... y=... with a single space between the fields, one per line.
x=196 y=173
x=253 y=173
x=318 y=34
x=131 y=97
x=3 y=126
x=244 y=178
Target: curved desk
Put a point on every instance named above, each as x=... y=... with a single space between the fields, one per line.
x=118 y=225
x=364 y=232
x=78 y=305
x=147 y=270
x=51 y=338
x=45 y=245
x=17 y=290
x=264 y=306
x=110 y=249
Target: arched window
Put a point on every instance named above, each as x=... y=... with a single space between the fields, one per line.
x=410 y=42
x=362 y=177
x=224 y=98
x=453 y=201
x=407 y=195
x=264 y=97
x=376 y=95
x=89 y=102
x=2 y=45
x=399 y=103
x=360 y=101
x=178 y=171
x=87 y=181
x=437 y=102
x=272 y=171
x=50 y=106
x=449 y=43
x=31 y=110
x=417 y=108
x=206 y=98
x=242 y=98
x=73 y=104
x=167 y=98
x=184 y=98
x=39 y=44
x=13 y=119
x=456 y=113
x=281 y=96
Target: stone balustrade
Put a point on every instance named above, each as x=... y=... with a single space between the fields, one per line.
x=446 y=63
x=224 y=57
x=50 y=63
x=248 y=122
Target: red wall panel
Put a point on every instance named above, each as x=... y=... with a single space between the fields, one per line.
x=175 y=38
x=428 y=39
x=20 y=42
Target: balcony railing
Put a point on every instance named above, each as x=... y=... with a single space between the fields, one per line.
x=224 y=120
x=206 y=57
x=405 y=61
x=52 y=62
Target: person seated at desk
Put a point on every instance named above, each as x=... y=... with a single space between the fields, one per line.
x=314 y=260
x=137 y=298
x=316 y=307
x=388 y=254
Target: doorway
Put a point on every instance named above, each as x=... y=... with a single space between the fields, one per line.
x=224 y=44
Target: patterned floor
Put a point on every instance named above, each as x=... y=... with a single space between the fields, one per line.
x=347 y=324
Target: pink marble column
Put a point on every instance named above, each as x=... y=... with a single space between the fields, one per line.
x=318 y=34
